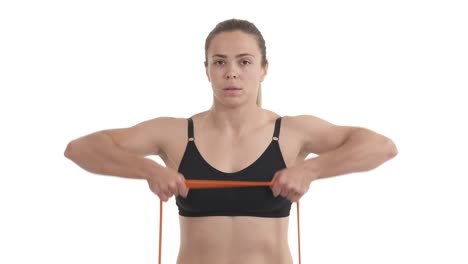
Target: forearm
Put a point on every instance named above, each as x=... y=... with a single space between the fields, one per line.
x=364 y=150
x=98 y=154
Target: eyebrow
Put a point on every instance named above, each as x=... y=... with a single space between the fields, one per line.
x=237 y=56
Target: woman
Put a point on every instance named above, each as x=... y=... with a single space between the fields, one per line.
x=235 y=139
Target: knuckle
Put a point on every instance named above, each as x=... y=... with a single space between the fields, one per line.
x=172 y=186
x=156 y=191
x=180 y=179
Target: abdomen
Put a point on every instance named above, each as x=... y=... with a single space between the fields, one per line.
x=232 y=240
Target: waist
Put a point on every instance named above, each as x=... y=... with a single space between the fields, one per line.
x=280 y=257
x=229 y=240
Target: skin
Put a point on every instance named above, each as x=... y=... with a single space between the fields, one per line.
x=233 y=122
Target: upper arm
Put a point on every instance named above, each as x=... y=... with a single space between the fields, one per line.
x=145 y=138
x=319 y=136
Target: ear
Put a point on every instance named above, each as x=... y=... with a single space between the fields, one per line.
x=206 y=71
x=264 y=72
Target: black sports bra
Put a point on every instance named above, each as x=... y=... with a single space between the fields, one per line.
x=233 y=201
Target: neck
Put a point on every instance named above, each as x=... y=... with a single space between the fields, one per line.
x=234 y=121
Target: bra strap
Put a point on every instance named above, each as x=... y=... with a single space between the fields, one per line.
x=277 y=129
x=190 y=129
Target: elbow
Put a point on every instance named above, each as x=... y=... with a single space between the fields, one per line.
x=68 y=150
x=390 y=149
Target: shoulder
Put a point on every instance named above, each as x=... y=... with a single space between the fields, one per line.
x=167 y=128
x=315 y=134
x=149 y=137
x=301 y=122
x=163 y=125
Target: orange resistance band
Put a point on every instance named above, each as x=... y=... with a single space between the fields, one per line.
x=206 y=184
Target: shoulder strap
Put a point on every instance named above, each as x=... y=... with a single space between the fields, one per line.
x=277 y=128
x=190 y=129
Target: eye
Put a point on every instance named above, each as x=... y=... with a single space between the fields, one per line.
x=220 y=62
x=245 y=62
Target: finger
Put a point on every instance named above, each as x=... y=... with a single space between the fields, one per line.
x=277 y=185
x=284 y=192
x=294 y=196
x=173 y=188
x=161 y=196
x=276 y=189
x=156 y=191
x=273 y=189
x=167 y=194
x=280 y=188
x=183 y=190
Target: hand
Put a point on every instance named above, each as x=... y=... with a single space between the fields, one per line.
x=167 y=182
x=292 y=182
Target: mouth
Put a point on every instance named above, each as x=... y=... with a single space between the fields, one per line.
x=232 y=88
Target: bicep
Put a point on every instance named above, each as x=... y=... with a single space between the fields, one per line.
x=319 y=136
x=145 y=138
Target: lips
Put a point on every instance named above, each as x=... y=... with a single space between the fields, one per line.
x=231 y=87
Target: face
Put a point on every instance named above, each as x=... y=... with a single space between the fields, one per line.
x=234 y=61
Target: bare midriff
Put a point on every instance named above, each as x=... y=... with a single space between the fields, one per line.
x=233 y=240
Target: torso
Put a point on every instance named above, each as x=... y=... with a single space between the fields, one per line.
x=227 y=239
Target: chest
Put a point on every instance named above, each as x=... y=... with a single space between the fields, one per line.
x=235 y=154
x=237 y=201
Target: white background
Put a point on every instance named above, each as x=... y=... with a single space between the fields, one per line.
x=69 y=68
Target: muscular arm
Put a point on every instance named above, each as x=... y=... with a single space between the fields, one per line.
x=341 y=149
x=120 y=152
x=97 y=153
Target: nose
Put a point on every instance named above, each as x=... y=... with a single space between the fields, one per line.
x=231 y=73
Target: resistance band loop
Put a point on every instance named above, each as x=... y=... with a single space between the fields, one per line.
x=207 y=184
